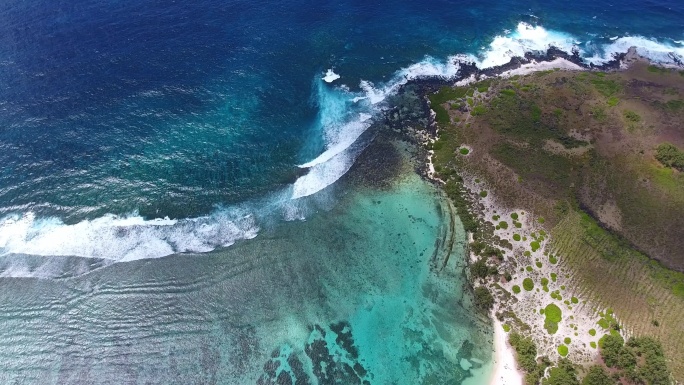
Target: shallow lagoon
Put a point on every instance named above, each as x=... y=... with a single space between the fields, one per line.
x=356 y=294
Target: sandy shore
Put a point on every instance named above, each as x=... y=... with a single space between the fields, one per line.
x=505 y=371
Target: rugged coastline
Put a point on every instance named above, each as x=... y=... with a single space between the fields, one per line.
x=498 y=249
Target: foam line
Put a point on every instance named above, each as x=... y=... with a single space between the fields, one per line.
x=122 y=238
x=343 y=117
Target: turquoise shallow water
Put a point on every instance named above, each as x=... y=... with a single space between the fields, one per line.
x=357 y=294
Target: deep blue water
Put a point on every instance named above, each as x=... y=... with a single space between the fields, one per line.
x=170 y=108
x=132 y=130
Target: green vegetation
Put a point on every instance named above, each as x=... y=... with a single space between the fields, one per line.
x=516 y=237
x=479 y=110
x=554 y=276
x=597 y=375
x=632 y=116
x=567 y=340
x=444 y=95
x=514 y=216
x=534 y=245
x=528 y=284
x=483 y=194
x=503 y=225
x=538 y=264
x=544 y=281
x=464 y=151
x=455 y=192
x=563 y=350
x=479 y=269
x=486 y=250
x=553 y=313
x=522 y=131
x=483 y=298
x=606 y=87
x=669 y=155
x=592 y=344
x=592 y=332
x=613 y=101
x=526 y=352
x=599 y=113
x=516 y=289
x=640 y=361
x=506 y=328
x=564 y=373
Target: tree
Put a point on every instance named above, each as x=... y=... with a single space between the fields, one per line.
x=563 y=373
x=479 y=269
x=597 y=376
x=611 y=347
x=483 y=298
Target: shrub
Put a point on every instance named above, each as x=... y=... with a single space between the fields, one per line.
x=574 y=300
x=611 y=349
x=514 y=216
x=550 y=326
x=597 y=376
x=506 y=328
x=483 y=194
x=563 y=350
x=553 y=277
x=544 y=281
x=632 y=116
x=483 y=298
x=553 y=259
x=479 y=110
x=592 y=344
x=670 y=156
x=613 y=101
x=592 y=332
x=528 y=284
x=562 y=374
x=516 y=289
x=503 y=225
x=516 y=237
x=534 y=245
x=539 y=264
x=567 y=340
x=479 y=269
x=553 y=313
x=464 y=150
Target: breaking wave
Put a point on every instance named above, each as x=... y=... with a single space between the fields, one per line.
x=343 y=116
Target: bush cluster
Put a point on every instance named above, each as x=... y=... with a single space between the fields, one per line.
x=640 y=360
x=669 y=155
x=527 y=358
x=483 y=298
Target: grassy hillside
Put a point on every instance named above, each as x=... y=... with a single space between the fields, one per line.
x=596 y=155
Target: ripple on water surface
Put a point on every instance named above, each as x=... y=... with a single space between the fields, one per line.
x=354 y=295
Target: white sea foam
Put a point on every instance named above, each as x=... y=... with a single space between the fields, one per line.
x=658 y=52
x=526 y=38
x=330 y=76
x=344 y=116
x=122 y=238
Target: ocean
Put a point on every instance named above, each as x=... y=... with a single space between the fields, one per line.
x=177 y=200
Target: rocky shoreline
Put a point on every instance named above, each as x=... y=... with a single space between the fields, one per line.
x=412 y=127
